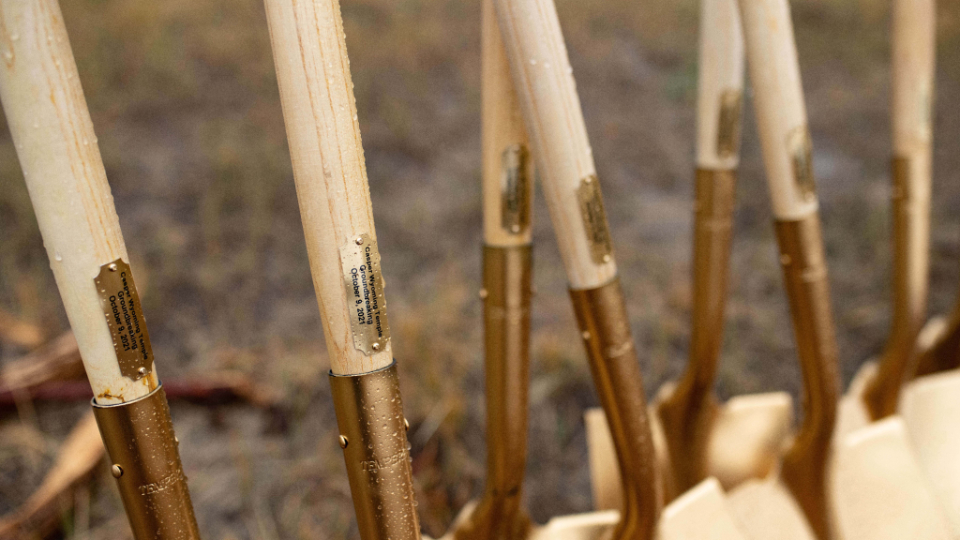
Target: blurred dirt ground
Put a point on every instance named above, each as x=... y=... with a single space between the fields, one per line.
x=185 y=104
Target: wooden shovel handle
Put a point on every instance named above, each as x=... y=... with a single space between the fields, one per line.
x=58 y=152
x=719 y=85
x=781 y=113
x=320 y=113
x=544 y=83
x=507 y=162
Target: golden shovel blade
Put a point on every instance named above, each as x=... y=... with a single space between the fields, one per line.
x=930 y=407
x=748 y=437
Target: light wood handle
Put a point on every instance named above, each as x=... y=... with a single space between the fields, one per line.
x=778 y=100
x=720 y=85
x=507 y=164
x=544 y=82
x=57 y=148
x=914 y=52
x=320 y=114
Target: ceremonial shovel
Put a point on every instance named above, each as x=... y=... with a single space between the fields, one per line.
x=546 y=93
x=316 y=92
x=57 y=148
x=888 y=474
x=742 y=438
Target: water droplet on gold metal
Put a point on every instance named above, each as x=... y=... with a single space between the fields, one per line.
x=343 y=442
x=116 y=471
x=406 y=425
x=112 y=267
x=359 y=241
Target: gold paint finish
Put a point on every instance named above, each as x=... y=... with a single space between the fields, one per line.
x=911 y=265
x=804 y=467
x=728 y=127
x=121 y=305
x=514 y=189
x=595 y=220
x=370 y=417
x=602 y=318
x=140 y=442
x=507 y=275
x=688 y=414
x=800 y=148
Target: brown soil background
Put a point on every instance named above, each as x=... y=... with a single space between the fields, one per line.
x=185 y=104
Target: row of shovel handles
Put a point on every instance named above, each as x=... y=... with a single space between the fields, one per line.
x=531 y=113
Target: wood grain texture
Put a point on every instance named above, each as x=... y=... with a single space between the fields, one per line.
x=57 y=148
x=502 y=125
x=320 y=113
x=721 y=66
x=544 y=83
x=778 y=100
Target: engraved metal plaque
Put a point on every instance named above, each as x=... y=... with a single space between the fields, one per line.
x=515 y=189
x=801 y=153
x=728 y=126
x=595 y=220
x=366 y=304
x=121 y=305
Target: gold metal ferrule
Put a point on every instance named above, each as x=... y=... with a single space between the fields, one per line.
x=688 y=414
x=602 y=318
x=145 y=460
x=374 y=441
x=804 y=467
x=911 y=265
x=507 y=276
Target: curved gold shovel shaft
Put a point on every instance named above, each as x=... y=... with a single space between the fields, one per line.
x=602 y=318
x=688 y=414
x=911 y=263
x=804 y=468
x=507 y=273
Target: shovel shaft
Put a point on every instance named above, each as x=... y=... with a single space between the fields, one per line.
x=548 y=98
x=57 y=148
x=804 y=468
x=316 y=92
x=787 y=150
x=507 y=277
x=913 y=52
x=602 y=318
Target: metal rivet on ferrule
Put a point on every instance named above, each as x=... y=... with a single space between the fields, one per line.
x=359 y=240
x=112 y=267
x=116 y=471
x=406 y=425
x=375 y=346
x=142 y=371
x=343 y=442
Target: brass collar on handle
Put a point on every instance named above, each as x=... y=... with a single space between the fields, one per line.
x=507 y=275
x=602 y=318
x=688 y=414
x=911 y=265
x=374 y=441
x=145 y=460
x=804 y=468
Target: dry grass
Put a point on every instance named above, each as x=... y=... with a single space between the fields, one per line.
x=184 y=100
